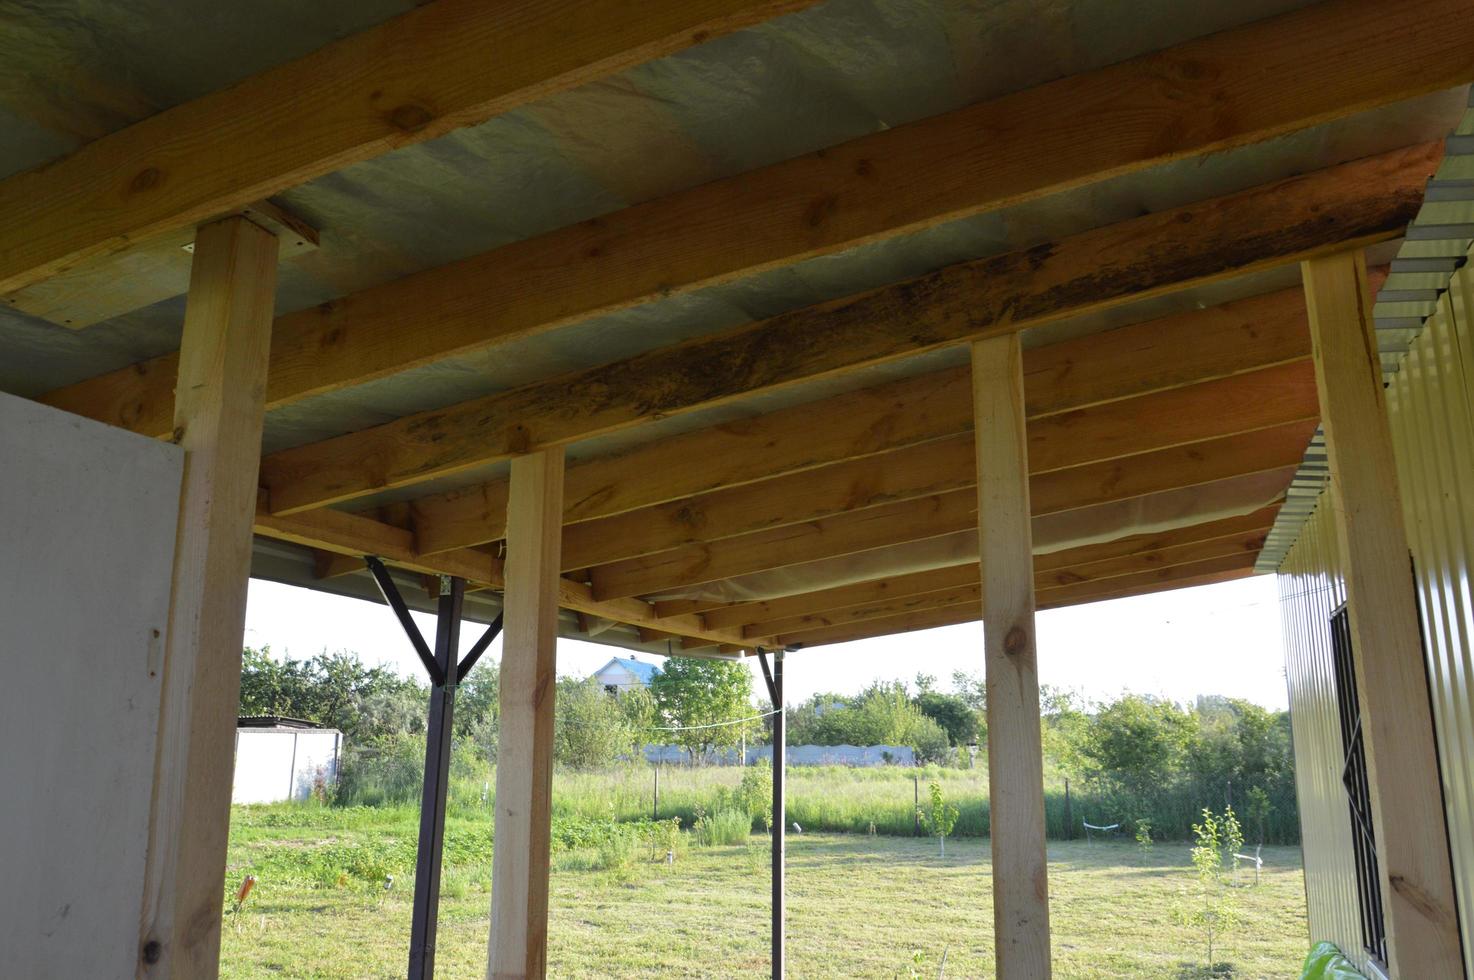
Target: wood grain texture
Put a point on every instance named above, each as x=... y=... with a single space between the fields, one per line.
x=1156 y=355
x=1271 y=452
x=1391 y=672
x=438 y=67
x=524 y=778
x=1015 y=755
x=217 y=420
x=1370 y=199
x=965 y=581
x=1246 y=403
x=1228 y=89
x=748 y=614
x=355 y=535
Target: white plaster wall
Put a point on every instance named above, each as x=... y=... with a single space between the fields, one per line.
x=87 y=528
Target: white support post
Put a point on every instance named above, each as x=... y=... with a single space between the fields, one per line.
x=1391 y=674
x=524 y=771
x=218 y=410
x=1015 y=757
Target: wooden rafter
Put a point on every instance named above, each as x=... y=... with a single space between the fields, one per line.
x=440 y=66
x=960 y=583
x=1156 y=355
x=1228 y=89
x=1176 y=577
x=1271 y=398
x=1355 y=203
x=945 y=513
x=352 y=534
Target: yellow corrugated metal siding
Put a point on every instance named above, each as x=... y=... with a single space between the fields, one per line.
x=1311 y=588
x=1431 y=411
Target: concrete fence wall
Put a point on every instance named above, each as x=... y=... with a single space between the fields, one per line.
x=798 y=755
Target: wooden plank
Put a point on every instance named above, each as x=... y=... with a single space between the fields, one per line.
x=1267 y=226
x=439 y=67
x=1102 y=524
x=355 y=535
x=1157 y=355
x=966 y=581
x=914 y=519
x=147 y=273
x=748 y=614
x=1244 y=403
x=217 y=420
x=1015 y=755
x=330 y=564
x=967 y=612
x=1202 y=572
x=524 y=777
x=1391 y=672
x=1231 y=88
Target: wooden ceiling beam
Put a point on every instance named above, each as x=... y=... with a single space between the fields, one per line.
x=952 y=511
x=1160 y=580
x=334 y=531
x=436 y=68
x=1337 y=208
x=1228 y=89
x=1098 y=575
x=755 y=616
x=1143 y=358
x=1262 y=399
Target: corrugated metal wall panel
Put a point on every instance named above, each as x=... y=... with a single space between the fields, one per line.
x=1428 y=402
x=1431 y=411
x=1311 y=588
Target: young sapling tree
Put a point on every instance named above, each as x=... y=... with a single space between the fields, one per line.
x=939 y=818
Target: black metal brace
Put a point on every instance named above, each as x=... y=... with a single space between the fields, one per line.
x=445 y=676
x=774 y=679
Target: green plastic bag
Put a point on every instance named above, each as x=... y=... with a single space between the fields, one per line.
x=1326 y=962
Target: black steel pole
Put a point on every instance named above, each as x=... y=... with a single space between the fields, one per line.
x=780 y=762
x=438 y=737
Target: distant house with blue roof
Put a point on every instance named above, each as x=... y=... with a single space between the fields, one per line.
x=625 y=673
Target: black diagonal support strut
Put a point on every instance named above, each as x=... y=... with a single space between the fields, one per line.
x=774 y=679
x=445 y=675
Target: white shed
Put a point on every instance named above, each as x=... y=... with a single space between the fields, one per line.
x=283 y=759
x=625 y=673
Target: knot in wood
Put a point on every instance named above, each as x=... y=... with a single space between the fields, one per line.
x=1016 y=641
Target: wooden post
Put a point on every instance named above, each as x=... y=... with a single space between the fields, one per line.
x=1391 y=675
x=217 y=420
x=1015 y=756
x=524 y=771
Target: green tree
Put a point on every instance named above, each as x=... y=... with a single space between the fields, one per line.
x=690 y=694
x=959 y=721
x=589 y=730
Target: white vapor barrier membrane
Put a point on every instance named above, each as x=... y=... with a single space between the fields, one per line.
x=1149 y=514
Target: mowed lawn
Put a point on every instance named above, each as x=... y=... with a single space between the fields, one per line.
x=859 y=906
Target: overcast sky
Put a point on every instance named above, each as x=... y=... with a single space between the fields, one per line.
x=1215 y=639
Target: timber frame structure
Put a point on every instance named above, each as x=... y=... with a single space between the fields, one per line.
x=728 y=325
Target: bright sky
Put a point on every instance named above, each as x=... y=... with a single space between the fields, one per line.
x=1215 y=639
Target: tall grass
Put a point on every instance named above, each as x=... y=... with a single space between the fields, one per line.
x=821 y=798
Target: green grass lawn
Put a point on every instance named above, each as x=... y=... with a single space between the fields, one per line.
x=859 y=906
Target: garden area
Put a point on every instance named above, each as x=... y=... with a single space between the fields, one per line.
x=629 y=903
x=663 y=871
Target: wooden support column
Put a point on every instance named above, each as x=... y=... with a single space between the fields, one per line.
x=1015 y=757
x=1391 y=674
x=524 y=771
x=217 y=419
